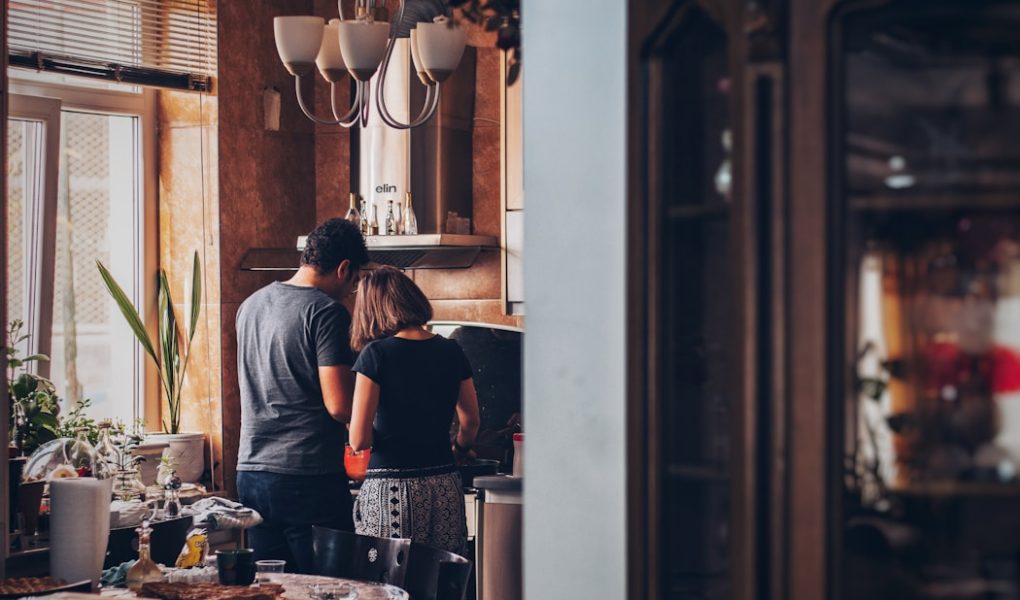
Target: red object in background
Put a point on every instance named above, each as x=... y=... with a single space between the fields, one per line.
x=1006 y=372
x=356 y=463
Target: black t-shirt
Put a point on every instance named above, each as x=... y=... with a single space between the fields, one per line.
x=419 y=383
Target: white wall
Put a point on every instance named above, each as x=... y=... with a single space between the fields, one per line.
x=574 y=178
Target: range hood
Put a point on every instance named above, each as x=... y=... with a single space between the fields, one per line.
x=429 y=251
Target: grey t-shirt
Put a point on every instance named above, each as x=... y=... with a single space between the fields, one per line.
x=284 y=334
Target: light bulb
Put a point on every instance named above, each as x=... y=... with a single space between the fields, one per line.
x=440 y=47
x=416 y=59
x=362 y=44
x=330 y=61
x=297 y=41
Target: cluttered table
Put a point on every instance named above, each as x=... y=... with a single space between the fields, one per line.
x=277 y=585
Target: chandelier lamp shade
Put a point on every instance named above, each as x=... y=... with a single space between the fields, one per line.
x=361 y=47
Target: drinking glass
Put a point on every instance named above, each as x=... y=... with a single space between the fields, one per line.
x=264 y=568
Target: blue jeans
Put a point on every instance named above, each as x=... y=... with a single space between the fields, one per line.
x=290 y=505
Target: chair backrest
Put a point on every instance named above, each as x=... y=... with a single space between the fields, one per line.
x=165 y=543
x=352 y=556
x=434 y=574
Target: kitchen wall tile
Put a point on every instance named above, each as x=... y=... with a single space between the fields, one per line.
x=231 y=393
x=486 y=181
x=332 y=174
x=481 y=281
x=479 y=311
x=488 y=88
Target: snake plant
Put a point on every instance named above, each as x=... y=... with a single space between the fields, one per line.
x=171 y=356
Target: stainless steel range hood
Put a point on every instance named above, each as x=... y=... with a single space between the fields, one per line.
x=429 y=251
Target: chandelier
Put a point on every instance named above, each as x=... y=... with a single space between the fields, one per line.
x=362 y=46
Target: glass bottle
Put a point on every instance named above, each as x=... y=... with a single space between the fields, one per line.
x=391 y=219
x=172 y=496
x=82 y=456
x=373 y=228
x=365 y=221
x=409 y=225
x=144 y=570
x=106 y=451
x=352 y=213
x=127 y=485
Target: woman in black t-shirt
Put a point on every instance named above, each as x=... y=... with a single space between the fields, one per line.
x=410 y=383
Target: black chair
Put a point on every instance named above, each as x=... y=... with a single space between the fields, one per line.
x=434 y=574
x=165 y=542
x=352 y=556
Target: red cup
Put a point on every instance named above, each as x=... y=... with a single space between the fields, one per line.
x=356 y=463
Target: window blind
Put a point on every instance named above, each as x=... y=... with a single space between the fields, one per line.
x=165 y=43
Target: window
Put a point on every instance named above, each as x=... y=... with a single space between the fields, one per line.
x=79 y=193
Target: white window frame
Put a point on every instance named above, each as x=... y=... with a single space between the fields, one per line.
x=136 y=102
x=39 y=259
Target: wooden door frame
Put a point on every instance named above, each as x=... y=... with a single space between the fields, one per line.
x=643 y=264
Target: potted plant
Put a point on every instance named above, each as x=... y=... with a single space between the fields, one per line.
x=34 y=407
x=171 y=360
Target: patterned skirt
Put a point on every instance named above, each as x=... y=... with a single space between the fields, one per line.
x=426 y=505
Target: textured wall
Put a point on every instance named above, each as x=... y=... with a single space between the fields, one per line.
x=188 y=222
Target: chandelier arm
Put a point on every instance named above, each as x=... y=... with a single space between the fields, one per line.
x=366 y=104
x=351 y=117
x=431 y=96
x=304 y=109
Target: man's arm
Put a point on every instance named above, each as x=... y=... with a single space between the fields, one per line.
x=337 y=391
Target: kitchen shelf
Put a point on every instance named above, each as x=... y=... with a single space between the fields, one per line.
x=934 y=201
x=427 y=251
x=698 y=473
x=696 y=212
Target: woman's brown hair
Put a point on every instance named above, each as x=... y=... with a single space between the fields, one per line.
x=387 y=301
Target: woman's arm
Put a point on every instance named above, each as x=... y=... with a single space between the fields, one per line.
x=468 y=414
x=366 y=402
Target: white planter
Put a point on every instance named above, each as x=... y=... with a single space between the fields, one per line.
x=152 y=452
x=187 y=450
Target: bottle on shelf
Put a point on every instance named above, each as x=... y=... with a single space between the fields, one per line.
x=373 y=228
x=144 y=570
x=365 y=224
x=409 y=222
x=352 y=212
x=391 y=219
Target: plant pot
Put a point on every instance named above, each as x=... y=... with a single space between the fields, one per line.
x=151 y=451
x=187 y=451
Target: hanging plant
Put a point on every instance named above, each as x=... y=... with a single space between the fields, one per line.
x=503 y=17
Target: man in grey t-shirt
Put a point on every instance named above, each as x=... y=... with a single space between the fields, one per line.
x=294 y=369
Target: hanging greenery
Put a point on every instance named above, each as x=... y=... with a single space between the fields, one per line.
x=503 y=17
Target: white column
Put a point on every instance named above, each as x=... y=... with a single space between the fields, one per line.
x=574 y=243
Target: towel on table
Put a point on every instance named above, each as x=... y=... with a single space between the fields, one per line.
x=220 y=513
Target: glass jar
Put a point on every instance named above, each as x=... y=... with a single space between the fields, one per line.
x=127 y=485
x=106 y=450
x=80 y=454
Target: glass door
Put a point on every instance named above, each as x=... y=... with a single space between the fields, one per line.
x=691 y=307
x=924 y=299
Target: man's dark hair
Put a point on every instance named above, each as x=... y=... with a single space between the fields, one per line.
x=331 y=243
